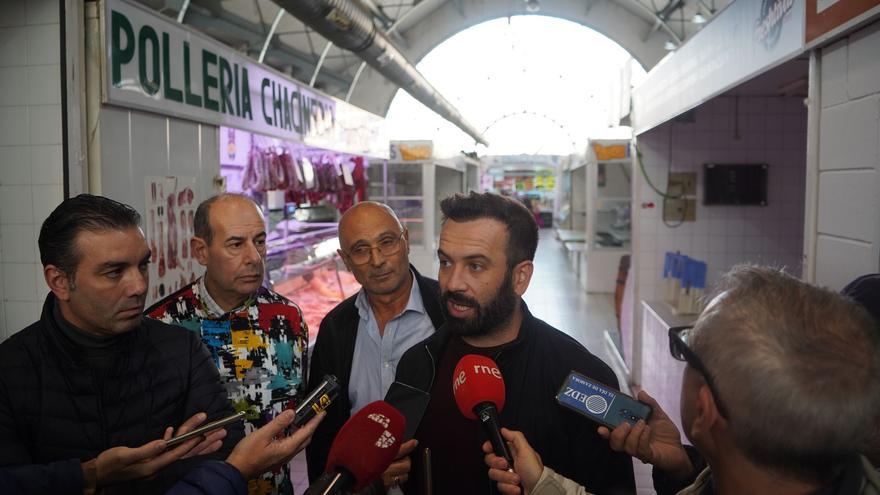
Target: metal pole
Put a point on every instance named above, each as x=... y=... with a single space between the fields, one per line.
x=182 y=11
x=320 y=63
x=270 y=34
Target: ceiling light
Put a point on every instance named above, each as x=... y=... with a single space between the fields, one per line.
x=669 y=46
x=698 y=19
x=533 y=5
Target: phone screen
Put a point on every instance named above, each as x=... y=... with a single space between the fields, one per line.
x=205 y=429
x=599 y=402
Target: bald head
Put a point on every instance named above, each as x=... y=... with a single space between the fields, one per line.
x=365 y=213
x=229 y=201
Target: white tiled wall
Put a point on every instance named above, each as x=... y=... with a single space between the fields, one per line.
x=769 y=130
x=31 y=178
x=848 y=224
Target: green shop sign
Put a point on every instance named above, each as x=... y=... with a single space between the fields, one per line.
x=156 y=65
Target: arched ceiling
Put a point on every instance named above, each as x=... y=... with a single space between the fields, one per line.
x=642 y=27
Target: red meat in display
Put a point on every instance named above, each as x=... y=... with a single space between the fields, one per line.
x=154 y=253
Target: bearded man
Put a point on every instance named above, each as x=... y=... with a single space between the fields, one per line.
x=486 y=253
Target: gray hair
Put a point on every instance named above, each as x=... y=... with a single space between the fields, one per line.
x=796 y=365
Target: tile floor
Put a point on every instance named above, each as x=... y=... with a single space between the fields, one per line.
x=556 y=297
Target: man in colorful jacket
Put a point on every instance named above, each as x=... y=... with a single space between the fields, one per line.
x=257 y=338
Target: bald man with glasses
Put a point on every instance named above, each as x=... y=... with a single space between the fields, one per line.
x=779 y=395
x=362 y=339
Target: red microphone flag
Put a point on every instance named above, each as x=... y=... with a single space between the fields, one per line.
x=477 y=379
x=368 y=442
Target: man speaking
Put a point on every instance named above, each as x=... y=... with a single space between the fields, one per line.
x=487 y=248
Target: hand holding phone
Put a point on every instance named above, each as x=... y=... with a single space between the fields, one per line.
x=214 y=425
x=601 y=403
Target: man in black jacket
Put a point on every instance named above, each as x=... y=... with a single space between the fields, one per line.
x=487 y=245
x=361 y=340
x=92 y=374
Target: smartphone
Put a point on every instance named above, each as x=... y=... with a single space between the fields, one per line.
x=220 y=423
x=601 y=403
x=317 y=401
x=410 y=401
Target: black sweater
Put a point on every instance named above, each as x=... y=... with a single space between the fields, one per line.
x=54 y=406
x=534 y=366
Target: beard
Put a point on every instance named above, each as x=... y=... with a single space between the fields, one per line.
x=488 y=319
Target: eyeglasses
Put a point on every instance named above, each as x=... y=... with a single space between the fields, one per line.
x=678 y=338
x=388 y=246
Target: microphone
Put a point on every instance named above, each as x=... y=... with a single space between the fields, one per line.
x=479 y=393
x=364 y=447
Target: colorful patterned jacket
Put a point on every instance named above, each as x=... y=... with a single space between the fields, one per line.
x=260 y=349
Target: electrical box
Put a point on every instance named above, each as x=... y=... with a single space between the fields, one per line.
x=680 y=210
x=682 y=184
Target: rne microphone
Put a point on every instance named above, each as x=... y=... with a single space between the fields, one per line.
x=479 y=392
x=363 y=449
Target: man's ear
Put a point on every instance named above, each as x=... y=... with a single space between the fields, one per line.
x=522 y=275
x=344 y=257
x=199 y=248
x=707 y=418
x=58 y=281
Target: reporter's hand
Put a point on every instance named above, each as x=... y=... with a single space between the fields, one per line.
x=264 y=448
x=657 y=443
x=398 y=472
x=121 y=464
x=527 y=464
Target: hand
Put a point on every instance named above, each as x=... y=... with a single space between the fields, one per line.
x=398 y=471
x=267 y=447
x=657 y=443
x=121 y=464
x=527 y=464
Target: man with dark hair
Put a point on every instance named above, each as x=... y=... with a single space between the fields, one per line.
x=779 y=395
x=257 y=338
x=362 y=339
x=487 y=248
x=92 y=374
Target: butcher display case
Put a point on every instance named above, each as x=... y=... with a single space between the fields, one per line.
x=303 y=264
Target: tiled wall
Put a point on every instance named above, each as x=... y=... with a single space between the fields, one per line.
x=848 y=224
x=768 y=130
x=30 y=151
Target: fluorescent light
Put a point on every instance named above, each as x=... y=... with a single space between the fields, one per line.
x=533 y=5
x=669 y=46
x=698 y=19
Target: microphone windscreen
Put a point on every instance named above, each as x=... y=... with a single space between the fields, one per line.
x=367 y=443
x=477 y=379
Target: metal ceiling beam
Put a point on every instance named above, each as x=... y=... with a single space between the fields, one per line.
x=270 y=34
x=644 y=8
x=251 y=33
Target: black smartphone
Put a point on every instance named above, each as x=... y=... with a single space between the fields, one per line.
x=317 y=401
x=410 y=401
x=601 y=403
x=220 y=423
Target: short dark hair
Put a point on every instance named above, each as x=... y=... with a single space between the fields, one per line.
x=522 y=229
x=84 y=212
x=202 y=218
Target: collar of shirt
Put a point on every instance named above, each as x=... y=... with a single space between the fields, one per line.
x=415 y=303
x=211 y=307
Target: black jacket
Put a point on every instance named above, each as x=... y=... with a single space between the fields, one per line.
x=333 y=354
x=534 y=366
x=52 y=406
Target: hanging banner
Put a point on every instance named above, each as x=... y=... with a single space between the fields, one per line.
x=154 y=64
x=745 y=39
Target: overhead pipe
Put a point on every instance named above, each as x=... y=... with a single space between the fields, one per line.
x=349 y=27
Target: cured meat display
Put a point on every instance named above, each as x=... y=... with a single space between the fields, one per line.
x=171 y=203
x=318 y=291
